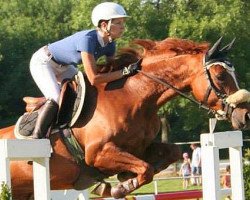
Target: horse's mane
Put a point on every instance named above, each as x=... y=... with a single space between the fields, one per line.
x=140 y=48
x=178 y=46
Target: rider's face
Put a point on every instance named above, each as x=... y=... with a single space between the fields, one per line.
x=117 y=27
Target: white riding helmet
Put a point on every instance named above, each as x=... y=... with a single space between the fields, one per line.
x=107 y=11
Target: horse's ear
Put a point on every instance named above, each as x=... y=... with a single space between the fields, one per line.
x=215 y=48
x=228 y=46
x=214 y=51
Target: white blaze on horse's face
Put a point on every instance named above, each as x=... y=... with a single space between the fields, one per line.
x=221 y=114
x=230 y=70
x=240 y=96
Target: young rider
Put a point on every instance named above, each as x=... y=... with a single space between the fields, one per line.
x=53 y=63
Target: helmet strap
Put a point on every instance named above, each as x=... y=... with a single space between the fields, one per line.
x=108 y=30
x=109 y=25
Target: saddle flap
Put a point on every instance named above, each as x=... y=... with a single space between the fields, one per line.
x=71 y=100
x=66 y=103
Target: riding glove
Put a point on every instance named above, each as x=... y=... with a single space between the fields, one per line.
x=130 y=70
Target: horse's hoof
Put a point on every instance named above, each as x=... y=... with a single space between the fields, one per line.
x=103 y=189
x=118 y=192
x=125 y=188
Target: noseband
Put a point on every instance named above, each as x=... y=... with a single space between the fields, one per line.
x=220 y=114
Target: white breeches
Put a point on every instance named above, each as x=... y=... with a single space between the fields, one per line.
x=48 y=75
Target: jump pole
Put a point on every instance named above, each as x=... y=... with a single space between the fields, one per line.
x=210 y=145
x=37 y=151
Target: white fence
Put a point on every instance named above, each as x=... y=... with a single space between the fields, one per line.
x=210 y=145
x=39 y=152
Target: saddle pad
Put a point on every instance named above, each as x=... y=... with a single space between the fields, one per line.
x=25 y=125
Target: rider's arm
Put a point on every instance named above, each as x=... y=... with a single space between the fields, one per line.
x=91 y=71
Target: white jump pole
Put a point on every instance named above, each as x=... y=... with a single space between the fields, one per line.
x=69 y=195
x=210 y=145
x=37 y=151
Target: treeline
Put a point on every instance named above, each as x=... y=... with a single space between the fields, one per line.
x=27 y=25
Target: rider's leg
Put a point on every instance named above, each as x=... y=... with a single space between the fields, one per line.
x=48 y=75
x=65 y=72
x=41 y=68
x=45 y=118
x=44 y=75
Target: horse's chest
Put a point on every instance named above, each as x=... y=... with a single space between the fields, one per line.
x=139 y=139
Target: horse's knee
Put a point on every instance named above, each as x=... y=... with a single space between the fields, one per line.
x=147 y=175
x=175 y=152
x=161 y=155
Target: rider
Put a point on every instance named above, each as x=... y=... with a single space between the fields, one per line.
x=57 y=61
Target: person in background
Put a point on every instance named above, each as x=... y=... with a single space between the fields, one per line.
x=226 y=180
x=196 y=164
x=57 y=61
x=185 y=170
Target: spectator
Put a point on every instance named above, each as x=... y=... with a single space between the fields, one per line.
x=196 y=164
x=226 y=180
x=185 y=170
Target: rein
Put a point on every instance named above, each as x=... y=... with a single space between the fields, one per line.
x=156 y=79
x=221 y=115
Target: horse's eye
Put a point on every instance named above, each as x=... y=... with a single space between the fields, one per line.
x=221 y=76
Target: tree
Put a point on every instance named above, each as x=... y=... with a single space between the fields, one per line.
x=24 y=27
x=27 y=25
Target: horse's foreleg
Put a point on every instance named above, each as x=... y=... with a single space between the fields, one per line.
x=161 y=155
x=113 y=160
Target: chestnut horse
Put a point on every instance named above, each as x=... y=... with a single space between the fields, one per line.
x=119 y=121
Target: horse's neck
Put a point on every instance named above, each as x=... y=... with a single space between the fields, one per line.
x=177 y=71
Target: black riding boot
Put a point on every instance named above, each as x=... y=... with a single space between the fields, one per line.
x=45 y=118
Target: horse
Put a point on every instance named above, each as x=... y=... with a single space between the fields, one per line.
x=119 y=122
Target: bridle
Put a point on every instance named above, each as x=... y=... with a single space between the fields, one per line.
x=227 y=108
x=219 y=114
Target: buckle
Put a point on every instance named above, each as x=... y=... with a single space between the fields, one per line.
x=46 y=50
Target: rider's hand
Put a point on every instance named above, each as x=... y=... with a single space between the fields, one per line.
x=130 y=70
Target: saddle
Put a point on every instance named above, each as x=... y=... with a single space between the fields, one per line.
x=70 y=106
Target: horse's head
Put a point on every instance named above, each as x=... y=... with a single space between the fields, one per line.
x=222 y=94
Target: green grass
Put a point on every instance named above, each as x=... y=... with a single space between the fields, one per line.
x=162 y=186
x=5 y=192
